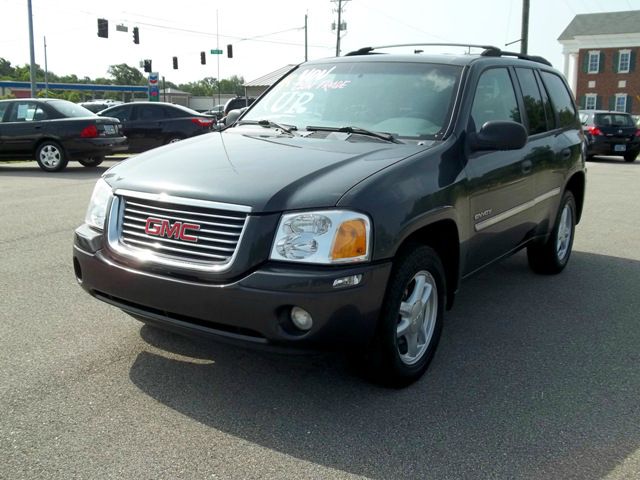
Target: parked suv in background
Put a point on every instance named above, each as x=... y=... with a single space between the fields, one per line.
x=151 y=124
x=236 y=103
x=610 y=133
x=343 y=209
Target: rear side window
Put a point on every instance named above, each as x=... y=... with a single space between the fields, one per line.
x=121 y=113
x=24 y=112
x=561 y=99
x=149 y=112
x=3 y=109
x=495 y=98
x=533 y=105
x=173 y=112
x=614 y=120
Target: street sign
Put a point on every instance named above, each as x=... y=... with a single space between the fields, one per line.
x=122 y=28
x=216 y=52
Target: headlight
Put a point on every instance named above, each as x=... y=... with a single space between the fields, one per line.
x=97 y=211
x=332 y=236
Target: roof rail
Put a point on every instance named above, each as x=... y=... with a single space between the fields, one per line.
x=488 y=50
x=496 y=52
x=367 y=50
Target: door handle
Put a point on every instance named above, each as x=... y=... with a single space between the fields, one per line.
x=527 y=166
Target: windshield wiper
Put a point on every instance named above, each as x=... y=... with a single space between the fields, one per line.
x=269 y=124
x=357 y=130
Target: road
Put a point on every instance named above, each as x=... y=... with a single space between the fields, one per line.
x=535 y=377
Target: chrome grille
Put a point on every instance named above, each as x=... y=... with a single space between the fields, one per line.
x=150 y=225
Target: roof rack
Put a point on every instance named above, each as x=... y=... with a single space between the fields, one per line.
x=488 y=50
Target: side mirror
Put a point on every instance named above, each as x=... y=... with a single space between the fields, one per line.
x=499 y=135
x=233 y=115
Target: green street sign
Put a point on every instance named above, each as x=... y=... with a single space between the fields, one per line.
x=216 y=52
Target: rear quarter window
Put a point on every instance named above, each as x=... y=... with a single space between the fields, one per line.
x=561 y=99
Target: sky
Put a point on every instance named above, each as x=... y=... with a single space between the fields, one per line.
x=267 y=35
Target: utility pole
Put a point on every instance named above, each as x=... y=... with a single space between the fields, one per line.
x=46 y=70
x=305 y=38
x=339 y=24
x=32 y=67
x=218 y=56
x=337 y=27
x=524 y=44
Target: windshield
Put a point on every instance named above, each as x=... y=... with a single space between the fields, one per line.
x=69 y=109
x=412 y=100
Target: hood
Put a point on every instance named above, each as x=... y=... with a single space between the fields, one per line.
x=260 y=168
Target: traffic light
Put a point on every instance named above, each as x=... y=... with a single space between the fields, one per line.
x=175 y=63
x=136 y=35
x=229 y=51
x=103 y=28
x=147 y=66
x=203 y=58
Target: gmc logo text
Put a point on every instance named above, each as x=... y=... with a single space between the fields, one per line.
x=160 y=227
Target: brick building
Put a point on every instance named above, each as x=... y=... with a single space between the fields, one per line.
x=600 y=60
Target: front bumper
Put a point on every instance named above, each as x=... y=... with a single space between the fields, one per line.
x=254 y=309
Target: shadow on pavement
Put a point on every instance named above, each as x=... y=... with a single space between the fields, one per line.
x=610 y=160
x=73 y=171
x=535 y=377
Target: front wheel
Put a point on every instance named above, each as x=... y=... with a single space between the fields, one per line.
x=552 y=256
x=91 y=161
x=50 y=156
x=411 y=319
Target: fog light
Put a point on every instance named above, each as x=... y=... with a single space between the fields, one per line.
x=301 y=318
x=349 y=281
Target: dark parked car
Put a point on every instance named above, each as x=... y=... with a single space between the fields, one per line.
x=217 y=112
x=56 y=131
x=343 y=209
x=610 y=133
x=151 y=124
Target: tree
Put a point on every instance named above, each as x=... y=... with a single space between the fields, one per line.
x=6 y=70
x=123 y=74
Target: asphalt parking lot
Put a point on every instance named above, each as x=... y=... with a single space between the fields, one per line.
x=535 y=377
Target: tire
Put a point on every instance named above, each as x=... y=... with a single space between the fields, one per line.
x=173 y=140
x=91 y=161
x=51 y=156
x=411 y=319
x=630 y=157
x=551 y=257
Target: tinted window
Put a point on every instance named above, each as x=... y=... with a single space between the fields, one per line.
x=69 y=109
x=406 y=99
x=173 y=112
x=614 y=120
x=532 y=101
x=121 y=113
x=495 y=98
x=3 y=109
x=149 y=112
x=23 y=112
x=561 y=99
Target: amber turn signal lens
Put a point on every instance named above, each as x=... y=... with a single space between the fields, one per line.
x=350 y=240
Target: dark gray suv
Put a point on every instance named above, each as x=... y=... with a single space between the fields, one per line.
x=344 y=208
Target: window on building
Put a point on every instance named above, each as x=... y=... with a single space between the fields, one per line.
x=590 y=101
x=624 y=61
x=594 y=62
x=621 y=102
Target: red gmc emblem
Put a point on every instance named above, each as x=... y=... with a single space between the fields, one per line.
x=161 y=227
